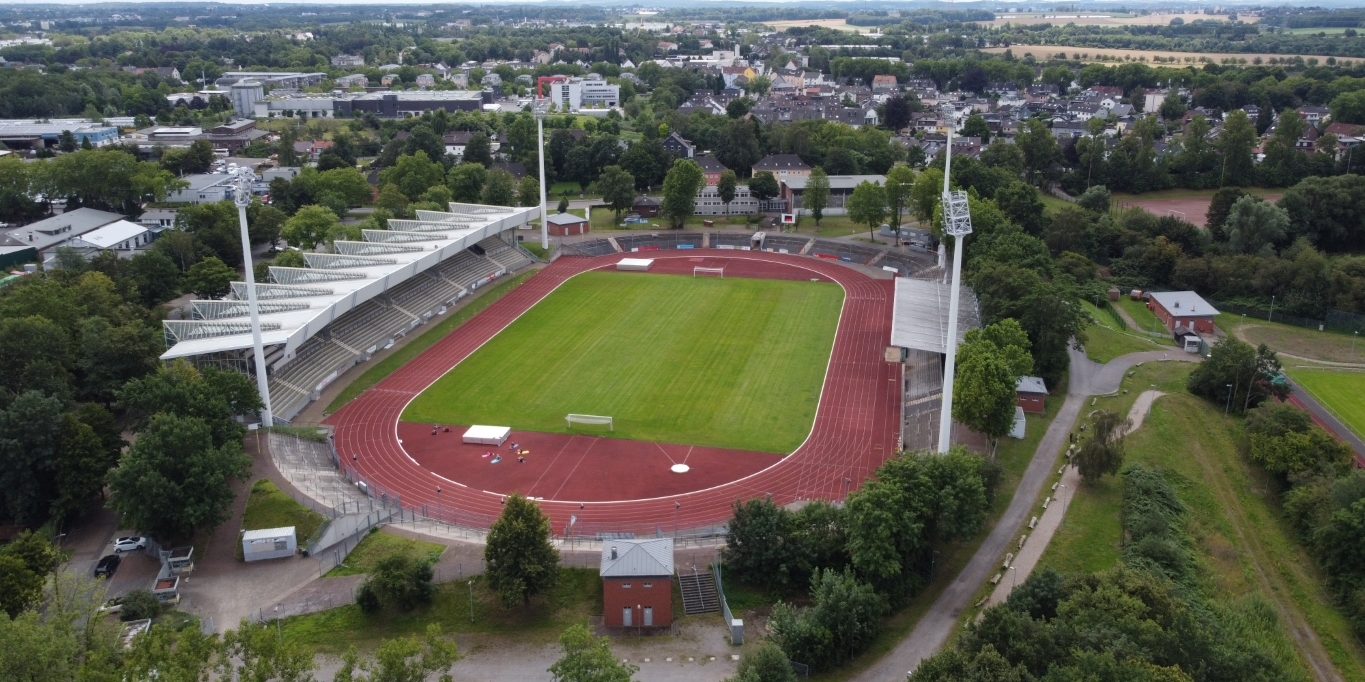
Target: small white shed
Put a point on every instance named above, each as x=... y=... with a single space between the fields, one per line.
x=269 y=543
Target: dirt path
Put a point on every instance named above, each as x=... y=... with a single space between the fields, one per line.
x=1272 y=583
x=1052 y=515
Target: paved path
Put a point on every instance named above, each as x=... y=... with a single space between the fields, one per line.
x=1051 y=519
x=1087 y=378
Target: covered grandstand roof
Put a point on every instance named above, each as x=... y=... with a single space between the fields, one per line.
x=297 y=303
x=920 y=315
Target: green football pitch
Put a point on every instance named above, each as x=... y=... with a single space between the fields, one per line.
x=1339 y=391
x=736 y=363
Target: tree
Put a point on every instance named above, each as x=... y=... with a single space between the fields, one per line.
x=1021 y=202
x=897 y=113
x=1253 y=374
x=403 y=659
x=816 y=196
x=844 y=618
x=1219 y=207
x=984 y=396
x=766 y=663
x=1255 y=226
x=1235 y=142
x=758 y=549
x=867 y=205
x=25 y=563
x=174 y=481
x=1103 y=452
x=413 y=174
x=466 y=181
x=210 y=278
x=310 y=226
x=1171 y=107
x=975 y=126
x=1095 y=199
x=726 y=187
x=255 y=652
x=1295 y=453
x=401 y=580
x=924 y=197
x=528 y=192
x=500 y=189
x=393 y=200
x=618 y=189
x=1040 y=148
x=478 y=150
x=1348 y=107
x=763 y=186
x=739 y=148
x=520 y=561
x=588 y=659
x=681 y=185
x=900 y=182
x=31 y=435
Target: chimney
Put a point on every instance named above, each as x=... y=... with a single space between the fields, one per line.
x=613 y=553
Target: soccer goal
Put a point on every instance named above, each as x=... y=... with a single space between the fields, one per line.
x=589 y=419
x=714 y=272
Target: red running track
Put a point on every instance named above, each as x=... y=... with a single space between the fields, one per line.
x=856 y=424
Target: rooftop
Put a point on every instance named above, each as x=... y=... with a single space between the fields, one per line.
x=59 y=228
x=920 y=314
x=835 y=181
x=637 y=558
x=1031 y=385
x=1184 y=303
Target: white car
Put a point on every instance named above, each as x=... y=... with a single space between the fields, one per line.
x=130 y=544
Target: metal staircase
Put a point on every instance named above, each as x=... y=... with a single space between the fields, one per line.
x=698 y=592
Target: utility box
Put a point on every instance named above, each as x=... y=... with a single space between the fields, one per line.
x=269 y=543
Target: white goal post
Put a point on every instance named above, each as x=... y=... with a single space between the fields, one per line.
x=590 y=419
x=708 y=271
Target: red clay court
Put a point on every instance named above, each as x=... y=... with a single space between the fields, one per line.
x=623 y=485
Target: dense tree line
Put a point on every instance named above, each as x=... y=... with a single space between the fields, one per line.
x=1150 y=618
x=874 y=553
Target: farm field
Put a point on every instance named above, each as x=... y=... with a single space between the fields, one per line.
x=1095 y=19
x=837 y=24
x=1339 y=391
x=736 y=363
x=1115 y=55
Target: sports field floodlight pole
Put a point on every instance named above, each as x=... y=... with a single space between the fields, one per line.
x=242 y=180
x=957 y=222
x=539 y=110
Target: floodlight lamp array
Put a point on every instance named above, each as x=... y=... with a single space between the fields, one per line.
x=957 y=218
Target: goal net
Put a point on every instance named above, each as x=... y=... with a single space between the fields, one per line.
x=589 y=419
x=704 y=272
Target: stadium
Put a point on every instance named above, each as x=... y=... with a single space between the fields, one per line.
x=634 y=385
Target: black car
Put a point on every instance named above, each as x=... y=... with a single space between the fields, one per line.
x=106 y=567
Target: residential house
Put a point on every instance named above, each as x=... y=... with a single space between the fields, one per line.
x=711 y=167
x=783 y=166
x=679 y=147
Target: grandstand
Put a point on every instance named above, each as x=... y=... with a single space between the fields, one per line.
x=345 y=306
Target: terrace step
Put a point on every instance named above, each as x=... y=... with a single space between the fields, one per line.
x=698 y=592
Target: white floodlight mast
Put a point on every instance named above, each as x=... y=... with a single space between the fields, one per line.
x=957 y=222
x=538 y=109
x=242 y=180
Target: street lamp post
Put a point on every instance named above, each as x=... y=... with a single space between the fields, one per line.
x=1271 y=316
x=471 y=601
x=957 y=222
x=242 y=180
x=676 y=506
x=439 y=516
x=1228 y=406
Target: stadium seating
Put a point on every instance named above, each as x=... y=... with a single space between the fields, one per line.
x=368 y=327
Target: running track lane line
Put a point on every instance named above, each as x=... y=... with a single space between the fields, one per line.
x=858 y=411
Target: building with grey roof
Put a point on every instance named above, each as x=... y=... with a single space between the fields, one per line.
x=46 y=235
x=637 y=583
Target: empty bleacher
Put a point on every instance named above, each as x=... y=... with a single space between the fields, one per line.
x=590 y=248
x=731 y=239
x=778 y=242
x=360 y=332
x=660 y=240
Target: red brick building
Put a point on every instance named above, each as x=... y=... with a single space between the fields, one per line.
x=1031 y=394
x=1183 y=309
x=637 y=583
x=565 y=224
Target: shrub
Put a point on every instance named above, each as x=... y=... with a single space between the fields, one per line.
x=140 y=604
x=401 y=580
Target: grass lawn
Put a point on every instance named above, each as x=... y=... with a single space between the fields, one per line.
x=830 y=226
x=378 y=370
x=557 y=190
x=1339 y=391
x=377 y=546
x=1145 y=318
x=1244 y=545
x=1301 y=341
x=729 y=362
x=577 y=596
x=1103 y=342
x=1052 y=204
